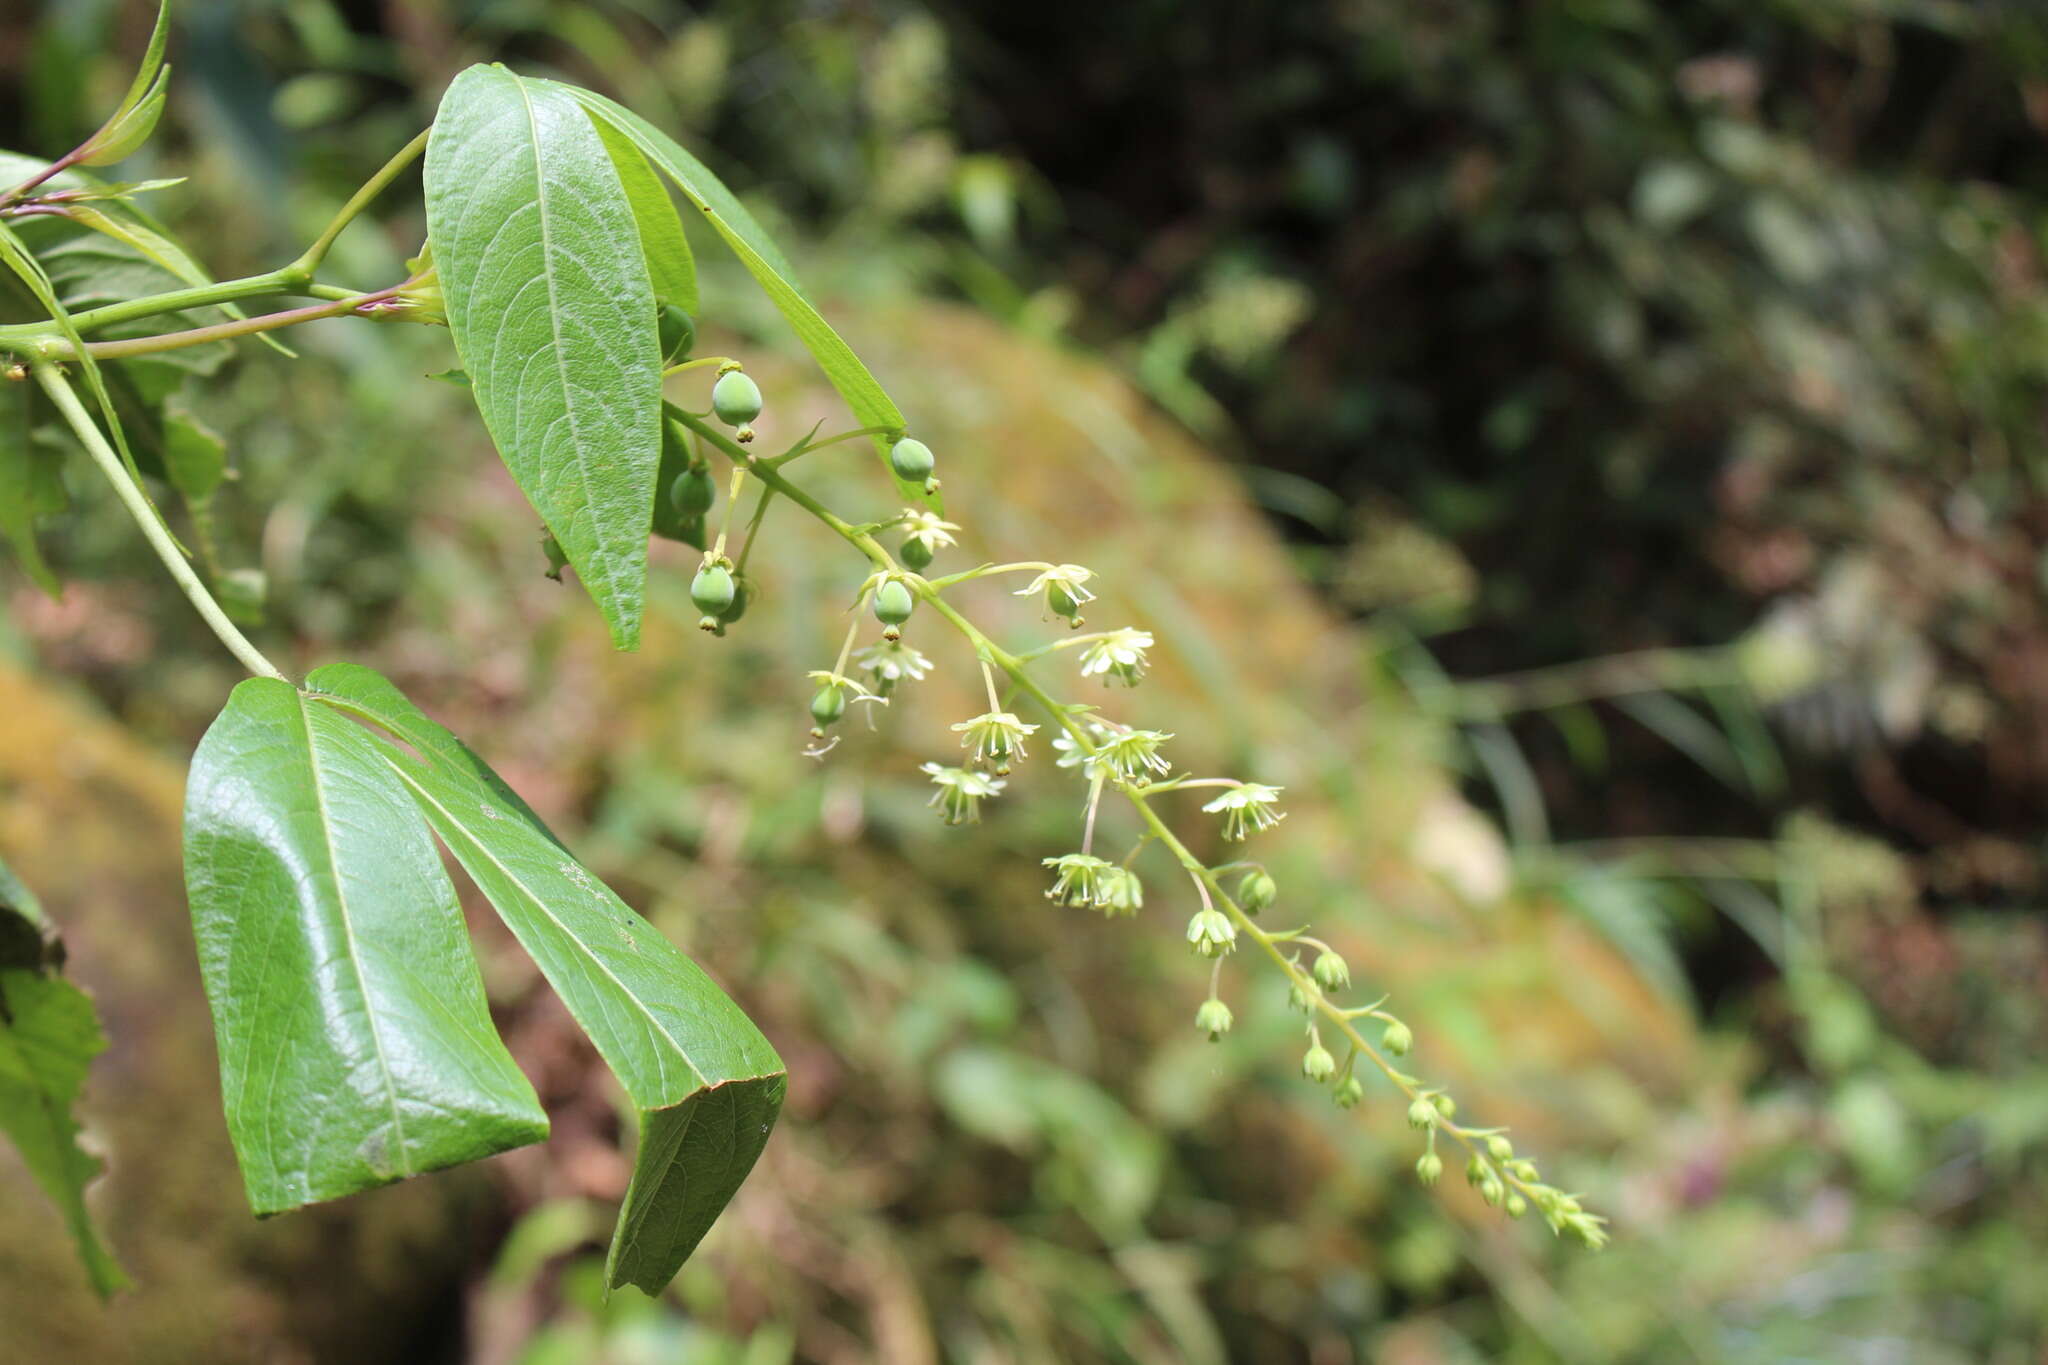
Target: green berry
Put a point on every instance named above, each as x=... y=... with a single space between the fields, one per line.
x=916 y=554
x=736 y=399
x=912 y=460
x=678 y=333
x=828 y=706
x=1256 y=891
x=742 y=596
x=893 y=604
x=693 y=492
x=712 y=590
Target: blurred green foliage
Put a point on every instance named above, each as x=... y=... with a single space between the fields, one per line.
x=1660 y=386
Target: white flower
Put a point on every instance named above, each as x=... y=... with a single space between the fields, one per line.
x=825 y=677
x=890 y=662
x=1119 y=656
x=996 y=738
x=1211 y=933
x=1121 y=892
x=1064 y=589
x=1131 y=752
x=961 y=791
x=926 y=526
x=1080 y=879
x=1246 y=807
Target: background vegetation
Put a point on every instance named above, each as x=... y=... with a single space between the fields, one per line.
x=1590 y=450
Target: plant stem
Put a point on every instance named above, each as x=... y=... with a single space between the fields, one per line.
x=310 y=260
x=56 y=349
x=81 y=424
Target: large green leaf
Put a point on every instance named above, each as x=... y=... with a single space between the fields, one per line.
x=870 y=403
x=48 y=1037
x=355 y=1044
x=706 y=1083
x=553 y=314
x=31 y=483
x=670 y=266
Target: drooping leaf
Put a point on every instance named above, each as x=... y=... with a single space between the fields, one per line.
x=706 y=1084
x=355 y=1044
x=48 y=1038
x=670 y=265
x=553 y=316
x=870 y=403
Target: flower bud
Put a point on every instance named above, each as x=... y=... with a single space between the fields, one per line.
x=1256 y=891
x=1398 y=1038
x=1304 y=996
x=911 y=461
x=1331 y=972
x=1349 y=1093
x=1491 y=1190
x=1317 y=1064
x=1213 y=1018
x=1517 y=1206
x=736 y=398
x=1211 y=934
x=1476 y=1170
x=1524 y=1170
x=1422 y=1114
x=1499 y=1148
x=1429 y=1168
x=1445 y=1105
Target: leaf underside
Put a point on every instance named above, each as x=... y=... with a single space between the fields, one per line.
x=706 y=1085
x=553 y=314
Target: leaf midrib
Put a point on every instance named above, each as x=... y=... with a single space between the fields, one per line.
x=349 y=929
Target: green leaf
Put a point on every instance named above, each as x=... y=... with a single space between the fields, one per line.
x=706 y=1084
x=355 y=1044
x=125 y=133
x=870 y=404
x=31 y=484
x=670 y=265
x=48 y=1037
x=553 y=316
x=195 y=457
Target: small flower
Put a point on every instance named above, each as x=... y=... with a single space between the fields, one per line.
x=1398 y=1038
x=1213 y=1018
x=825 y=677
x=1256 y=891
x=1331 y=971
x=926 y=528
x=1211 y=933
x=1119 y=656
x=1304 y=996
x=996 y=738
x=1063 y=586
x=1422 y=1114
x=1246 y=807
x=891 y=662
x=1127 y=753
x=1122 y=892
x=1317 y=1064
x=1081 y=879
x=961 y=791
x=1350 y=1092
x=1070 y=755
x=1429 y=1168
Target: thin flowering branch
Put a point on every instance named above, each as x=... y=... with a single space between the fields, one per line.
x=1503 y=1179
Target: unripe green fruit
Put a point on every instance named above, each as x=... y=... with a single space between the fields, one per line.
x=692 y=492
x=736 y=399
x=1062 y=603
x=828 y=706
x=712 y=590
x=916 y=554
x=678 y=334
x=893 y=603
x=1255 y=891
x=742 y=594
x=912 y=460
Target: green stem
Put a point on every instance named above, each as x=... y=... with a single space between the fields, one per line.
x=219 y=331
x=88 y=433
x=310 y=260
